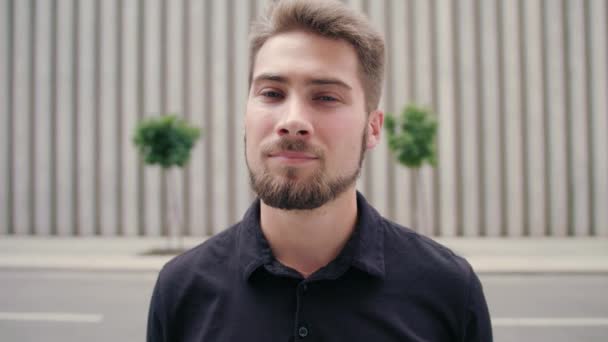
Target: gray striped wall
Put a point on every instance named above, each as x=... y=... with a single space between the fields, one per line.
x=520 y=88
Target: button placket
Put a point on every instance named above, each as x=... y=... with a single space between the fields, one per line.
x=301 y=330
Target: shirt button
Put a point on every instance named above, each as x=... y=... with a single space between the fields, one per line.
x=303 y=332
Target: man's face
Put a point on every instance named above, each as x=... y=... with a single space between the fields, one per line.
x=305 y=126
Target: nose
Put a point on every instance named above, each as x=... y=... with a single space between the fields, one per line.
x=295 y=121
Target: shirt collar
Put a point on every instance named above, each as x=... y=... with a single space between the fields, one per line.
x=364 y=249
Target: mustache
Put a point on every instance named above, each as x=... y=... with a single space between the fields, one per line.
x=291 y=145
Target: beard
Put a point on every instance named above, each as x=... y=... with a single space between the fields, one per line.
x=287 y=192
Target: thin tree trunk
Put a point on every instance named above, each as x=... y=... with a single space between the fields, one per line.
x=414 y=197
x=424 y=222
x=169 y=213
x=175 y=228
x=178 y=209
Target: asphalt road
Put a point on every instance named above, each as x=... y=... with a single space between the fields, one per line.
x=112 y=306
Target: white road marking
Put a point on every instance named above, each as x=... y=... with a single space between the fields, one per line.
x=51 y=317
x=550 y=322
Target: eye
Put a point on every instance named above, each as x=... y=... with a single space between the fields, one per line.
x=272 y=94
x=327 y=98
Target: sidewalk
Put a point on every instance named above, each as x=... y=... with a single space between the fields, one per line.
x=487 y=255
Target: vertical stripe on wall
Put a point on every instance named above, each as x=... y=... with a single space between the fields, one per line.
x=490 y=126
x=141 y=58
x=422 y=52
x=458 y=121
x=75 y=117
x=567 y=81
x=559 y=212
x=480 y=118
x=209 y=89
x=10 y=110
x=174 y=105
x=197 y=94
x=219 y=126
x=521 y=122
x=162 y=84
x=129 y=107
x=21 y=104
x=187 y=112
x=368 y=172
x=512 y=117
x=152 y=107
x=242 y=20
x=447 y=117
x=230 y=136
x=389 y=107
x=567 y=106
x=119 y=114
x=43 y=124
x=5 y=70
x=53 y=60
x=598 y=85
x=469 y=122
x=4 y=117
x=504 y=224
x=546 y=129
x=398 y=84
x=86 y=118
x=578 y=117
x=436 y=202
x=519 y=87
x=97 y=61
x=108 y=122
x=379 y=157
x=32 y=118
x=534 y=125
x=587 y=38
x=64 y=122
x=410 y=97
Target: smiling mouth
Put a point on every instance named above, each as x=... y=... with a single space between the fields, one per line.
x=292 y=157
x=291 y=152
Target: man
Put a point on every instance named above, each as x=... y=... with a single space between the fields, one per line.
x=311 y=259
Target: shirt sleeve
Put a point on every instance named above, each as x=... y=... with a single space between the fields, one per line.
x=155 y=331
x=478 y=325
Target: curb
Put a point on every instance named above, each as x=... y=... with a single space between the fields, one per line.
x=85 y=263
x=481 y=264
x=486 y=255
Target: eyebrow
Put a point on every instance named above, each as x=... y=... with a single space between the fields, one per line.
x=313 y=81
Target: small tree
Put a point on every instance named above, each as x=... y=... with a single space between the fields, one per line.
x=412 y=140
x=167 y=141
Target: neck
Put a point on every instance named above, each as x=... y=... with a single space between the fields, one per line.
x=307 y=240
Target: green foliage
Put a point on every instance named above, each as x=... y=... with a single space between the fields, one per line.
x=165 y=140
x=412 y=138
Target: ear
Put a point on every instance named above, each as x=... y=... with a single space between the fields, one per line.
x=374 y=128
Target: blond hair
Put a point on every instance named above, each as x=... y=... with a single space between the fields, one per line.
x=330 y=19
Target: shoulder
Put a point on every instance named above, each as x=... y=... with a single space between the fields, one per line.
x=215 y=250
x=409 y=251
x=421 y=268
x=204 y=269
x=213 y=256
x=188 y=279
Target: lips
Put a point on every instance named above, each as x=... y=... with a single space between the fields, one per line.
x=292 y=151
x=293 y=155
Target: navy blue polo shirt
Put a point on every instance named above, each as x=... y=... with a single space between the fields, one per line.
x=387 y=284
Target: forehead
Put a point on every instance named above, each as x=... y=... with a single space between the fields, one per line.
x=302 y=55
